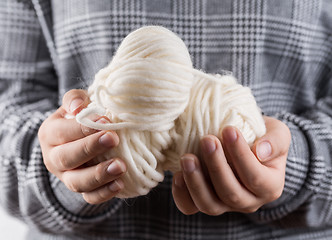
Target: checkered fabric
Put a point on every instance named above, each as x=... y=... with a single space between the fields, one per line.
x=281 y=49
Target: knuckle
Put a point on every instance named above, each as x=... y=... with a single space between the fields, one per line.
x=188 y=212
x=233 y=200
x=73 y=186
x=99 y=174
x=49 y=166
x=102 y=195
x=187 y=209
x=87 y=149
x=215 y=169
x=41 y=132
x=250 y=209
x=195 y=188
x=256 y=182
x=59 y=136
x=58 y=158
x=61 y=160
x=88 y=199
x=211 y=210
x=285 y=128
x=49 y=163
x=285 y=134
x=274 y=195
x=214 y=166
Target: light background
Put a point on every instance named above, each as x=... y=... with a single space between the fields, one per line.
x=11 y=228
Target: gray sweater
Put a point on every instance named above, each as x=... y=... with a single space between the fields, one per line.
x=281 y=49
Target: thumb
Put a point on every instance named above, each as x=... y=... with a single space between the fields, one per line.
x=75 y=100
x=274 y=143
x=263 y=150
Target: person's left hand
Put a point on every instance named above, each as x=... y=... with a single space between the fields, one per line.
x=231 y=176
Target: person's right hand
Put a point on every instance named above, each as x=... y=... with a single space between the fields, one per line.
x=69 y=151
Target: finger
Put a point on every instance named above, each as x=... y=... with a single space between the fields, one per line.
x=274 y=143
x=256 y=177
x=67 y=130
x=200 y=190
x=90 y=178
x=104 y=193
x=182 y=196
x=74 y=154
x=225 y=183
x=75 y=100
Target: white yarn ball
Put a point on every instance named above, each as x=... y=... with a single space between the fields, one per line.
x=140 y=87
x=160 y=106
x=216 y=102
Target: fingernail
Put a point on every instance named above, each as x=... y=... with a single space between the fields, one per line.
x=75 y=104
x=230 y=135
x=179 y=181
x=116 y=185
x=208 y=145
x=108 y=139
x=188 y=164
x=102 y=120
x=264 y=150
x=115 y=168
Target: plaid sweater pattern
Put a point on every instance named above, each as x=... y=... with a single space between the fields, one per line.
x=281 y=49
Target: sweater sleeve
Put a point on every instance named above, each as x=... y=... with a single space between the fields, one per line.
x=28 y=95
x=307 y=195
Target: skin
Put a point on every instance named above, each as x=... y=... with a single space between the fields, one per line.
x=228 y=176
x=69 y=150
x=231 y=176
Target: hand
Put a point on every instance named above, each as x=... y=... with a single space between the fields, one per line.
x=231 y=176
x=69 y=151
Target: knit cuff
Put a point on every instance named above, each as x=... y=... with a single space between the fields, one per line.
x=303 y=174
x=68 y=209
x=75 y=204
